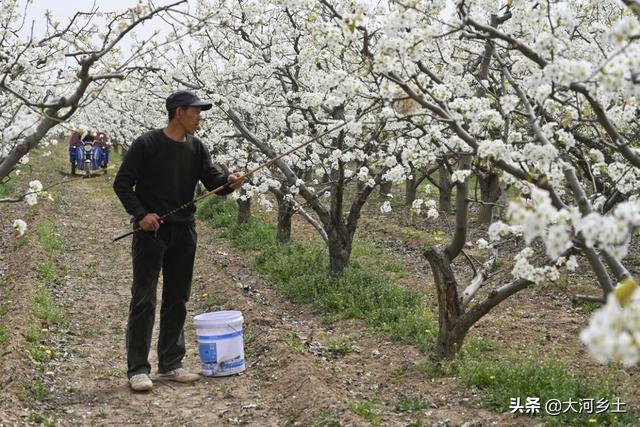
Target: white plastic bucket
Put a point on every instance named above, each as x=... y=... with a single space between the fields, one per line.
x=220 y=342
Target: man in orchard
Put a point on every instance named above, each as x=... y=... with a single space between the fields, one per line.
x=158 y=174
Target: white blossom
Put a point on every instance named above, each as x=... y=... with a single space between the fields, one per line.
x=460 y=175
x=433 y=213
x=386 y=207
x=265 y=204
x=613 y=334
x=20 y=226
x=557 y=240
x=482 y=244
x=35 y=185
x=416 y=206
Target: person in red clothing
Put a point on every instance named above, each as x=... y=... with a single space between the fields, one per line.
x=159 y=173
x=101 y=140
x=74 y=139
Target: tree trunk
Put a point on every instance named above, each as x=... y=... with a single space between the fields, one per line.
x=444 y=202
x=339 y=250
x=410 y=191
x=451 y=331
x=244 y=210
x=490 y=193
x=285 y=212
x=385 y=187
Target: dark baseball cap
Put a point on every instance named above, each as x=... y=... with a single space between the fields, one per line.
x=184 y=98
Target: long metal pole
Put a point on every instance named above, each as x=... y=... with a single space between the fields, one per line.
x=220 y=188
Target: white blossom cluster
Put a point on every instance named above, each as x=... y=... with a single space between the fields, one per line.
x=624 y=176
x=494 y=150
x=20 y=226
x=523 y=269
x=460 y=175
x=570 y=263
x=538 y=218
x=31 y=197
x=429 y=205
x=482 y=244
x=612 y=231
x=613 y=334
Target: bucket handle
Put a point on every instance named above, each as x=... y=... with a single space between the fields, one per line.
x=232 y=328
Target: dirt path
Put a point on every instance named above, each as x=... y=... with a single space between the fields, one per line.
x=292 y=378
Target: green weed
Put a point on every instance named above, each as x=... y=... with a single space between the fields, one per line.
x=49 y=240
x=4 y=335
x=295 y=343
x=211 y=301
x=34 y=334
x=40 y=354
x=252 y=236
x=8 y=187
x=326 y=420
x=42 y=420
x=587 y=307
x=44 y=307
x=35 y=389
x=500 y=378
x=367 y=410
x=364 y=248
x=503 y=380
x=339 y=348
x=300 y=273
x=411 y=404
x=218 y=214
x=46 y=271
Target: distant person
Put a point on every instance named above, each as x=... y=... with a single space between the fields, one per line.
x=74 y=139
x=101 y=140
x=90 y=136
x=159 y=173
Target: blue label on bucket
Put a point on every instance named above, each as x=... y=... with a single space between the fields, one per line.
x=232 y=364
x=219 y=337
x=208 y=352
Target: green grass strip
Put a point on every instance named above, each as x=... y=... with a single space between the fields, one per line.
x=500 y=378
x=301 y=273
x=47 y=236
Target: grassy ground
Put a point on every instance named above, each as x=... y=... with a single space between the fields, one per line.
x=299 y=272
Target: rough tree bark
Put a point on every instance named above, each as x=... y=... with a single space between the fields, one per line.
x=385 y=187
x=490 y=194
x=244 y=209
x=410 y=191
x=451 y=332
x=285 y=213
x=444 y=199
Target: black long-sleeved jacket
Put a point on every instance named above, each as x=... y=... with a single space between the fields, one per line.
x=159 y=174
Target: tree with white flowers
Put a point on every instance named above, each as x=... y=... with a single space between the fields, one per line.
x=545 y=97
x=284 y=73
x=538 y=98
x=45 y=80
